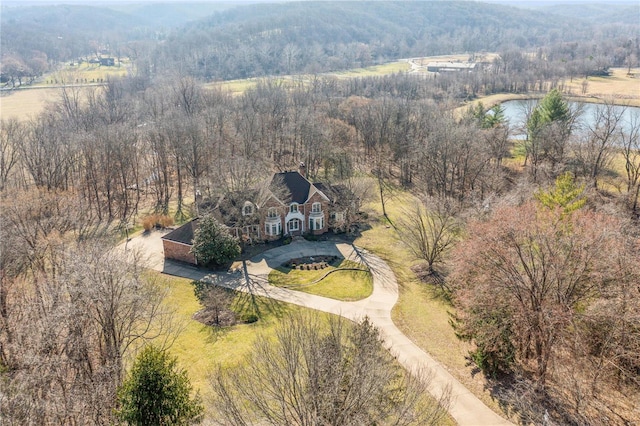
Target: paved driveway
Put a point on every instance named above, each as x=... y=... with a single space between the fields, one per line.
x=465 y=407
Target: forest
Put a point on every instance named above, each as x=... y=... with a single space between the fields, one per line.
x=530 y=247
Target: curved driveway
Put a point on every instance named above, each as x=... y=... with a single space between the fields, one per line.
x=465 y=407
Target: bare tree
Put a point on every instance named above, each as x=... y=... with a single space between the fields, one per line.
x=521 y=278
x=71 y=309
x=429 y=230
x=12 y=133
x=631 y=153
x=318 y=374
x=595 y=153
x=374 y=123
x=67 y=334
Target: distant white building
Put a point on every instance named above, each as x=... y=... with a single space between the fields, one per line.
x=451 y=66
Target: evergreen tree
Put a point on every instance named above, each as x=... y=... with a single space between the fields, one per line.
x=552 y=109
x=157 y=393
x=212 y=243
x=566 y=195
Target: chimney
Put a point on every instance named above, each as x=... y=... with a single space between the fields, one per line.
x=302 y=169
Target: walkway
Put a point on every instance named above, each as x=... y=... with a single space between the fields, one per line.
x=465 y=407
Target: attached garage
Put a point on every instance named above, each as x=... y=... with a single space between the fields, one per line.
x=177 y=243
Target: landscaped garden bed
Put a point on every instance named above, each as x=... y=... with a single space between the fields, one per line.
x=312 y=263
x=340 y=279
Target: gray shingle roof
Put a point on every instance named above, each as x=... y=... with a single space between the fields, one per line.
x=295 y=183
x=183 y=234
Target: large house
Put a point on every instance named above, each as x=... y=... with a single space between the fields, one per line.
x=290 y=206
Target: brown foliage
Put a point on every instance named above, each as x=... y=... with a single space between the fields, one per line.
x=556 y=292
x=156 y=221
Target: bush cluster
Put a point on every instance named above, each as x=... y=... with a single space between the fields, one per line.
x=156 y=221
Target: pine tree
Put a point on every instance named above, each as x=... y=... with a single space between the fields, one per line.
x=566 y=195
x=157 y=393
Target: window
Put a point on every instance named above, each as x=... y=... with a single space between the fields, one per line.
x=294 y=225
x=247 y=210
x=272 y=212
x=337 y=216
x=293 y=208
x=273 y=229
x=316 y=224
x=316 y=208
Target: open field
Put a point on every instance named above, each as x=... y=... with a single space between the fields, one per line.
x=622 y=88
x=26 y=103
x=376 y=70
x=85 y=73
x=30 y=101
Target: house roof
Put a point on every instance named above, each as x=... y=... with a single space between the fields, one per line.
x=183 y=234
x=339 y=195
x=297 y=185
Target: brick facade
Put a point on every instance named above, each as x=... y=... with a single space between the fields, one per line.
x=283 y=220
x=178 y=251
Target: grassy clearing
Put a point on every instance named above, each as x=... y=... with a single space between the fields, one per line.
x=85 y=73
x=24 y=104
x=421 y=312
x=340 y=285
x=235 y=87
x=376 y=70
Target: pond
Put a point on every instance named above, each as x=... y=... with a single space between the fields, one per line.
x=517 y=111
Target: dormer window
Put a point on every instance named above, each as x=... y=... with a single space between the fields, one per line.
x=247 y=210
x=316 y=208
x=293 y=208
x=272 y=212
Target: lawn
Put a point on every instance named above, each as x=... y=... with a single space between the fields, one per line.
x=199 y=348
x=346 y=285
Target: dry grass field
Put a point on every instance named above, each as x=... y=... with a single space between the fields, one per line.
x=30 y=101
x=26 y=103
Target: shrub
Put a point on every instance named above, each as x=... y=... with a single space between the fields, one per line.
x=165 y=221
x=249 y=318
x=148 y=222
x=156 y=221
x=158 y=392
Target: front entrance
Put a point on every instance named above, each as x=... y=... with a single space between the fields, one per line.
x=295 y=227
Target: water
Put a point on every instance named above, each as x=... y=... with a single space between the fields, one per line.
x=516 y=113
